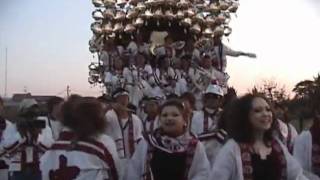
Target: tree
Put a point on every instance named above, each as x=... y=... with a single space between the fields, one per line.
x=303 y=89
x=272 y=90
x=309 y=90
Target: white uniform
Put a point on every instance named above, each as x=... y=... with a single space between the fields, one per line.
x=302 y=151
x=17 y=148
x=114 y=79
x=119 y=130
x=96 y=158
x=203 y=122
x=55 y=126
x=141 y=87
x=213 y=142
x=228 y=164
x=222 y=52
x=181 y=84
x=4 y=161
x=150 y=125
x=288 y=134
x=199 y=167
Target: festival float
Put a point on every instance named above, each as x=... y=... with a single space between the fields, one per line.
x=159 y=47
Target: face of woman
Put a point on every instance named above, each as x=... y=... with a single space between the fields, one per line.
x=260 y=115
x=172 y=121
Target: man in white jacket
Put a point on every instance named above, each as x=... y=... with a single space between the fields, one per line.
x=206 y=120
x=123 y=126
x=26 y=141
x=4 y=126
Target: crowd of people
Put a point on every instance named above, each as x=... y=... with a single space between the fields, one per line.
x=175 y=66
x=107 y=138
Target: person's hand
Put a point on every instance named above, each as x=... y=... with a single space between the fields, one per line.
x=251 y=55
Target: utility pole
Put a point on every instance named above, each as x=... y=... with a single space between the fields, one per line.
x=6 y=74
x=68 y=91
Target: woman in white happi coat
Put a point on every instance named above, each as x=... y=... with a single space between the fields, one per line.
x=4 y=126
x=170 y=152
x=307 y=149
x=123 y=126
x=82 y=151
x=253 y=153
x=25 y=141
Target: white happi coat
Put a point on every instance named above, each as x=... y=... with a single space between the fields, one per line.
x=3 y=156
x=13 y=145
x=55 y=126
x=199 y=169
x=114 y=79
x=197 y=124
x=89 y=160
x=147 y=125
x=119 y=135
x=228 y=164
x=181 y=84
x=302 y=151
x=284 y=130
x=141 y=87
x=213 y=142
x=226 y=51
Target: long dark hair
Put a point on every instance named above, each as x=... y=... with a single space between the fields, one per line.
x=239 y=126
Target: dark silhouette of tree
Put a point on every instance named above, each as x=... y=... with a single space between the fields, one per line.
x=272 y=90
x=309 y=90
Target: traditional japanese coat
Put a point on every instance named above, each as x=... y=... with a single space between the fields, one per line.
x=303 y=151
x=93 y=158
x=287 y=133
x=203 y=122
x=222 y=51
x=141 y=87
x=125 y=132
x=55 y=126
x=21 y=152
x=213 y=142
x=197 y=167
x=4 y=161
x=149 y=125
x=229 y=164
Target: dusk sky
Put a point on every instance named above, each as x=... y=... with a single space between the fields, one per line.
x=47 y=43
